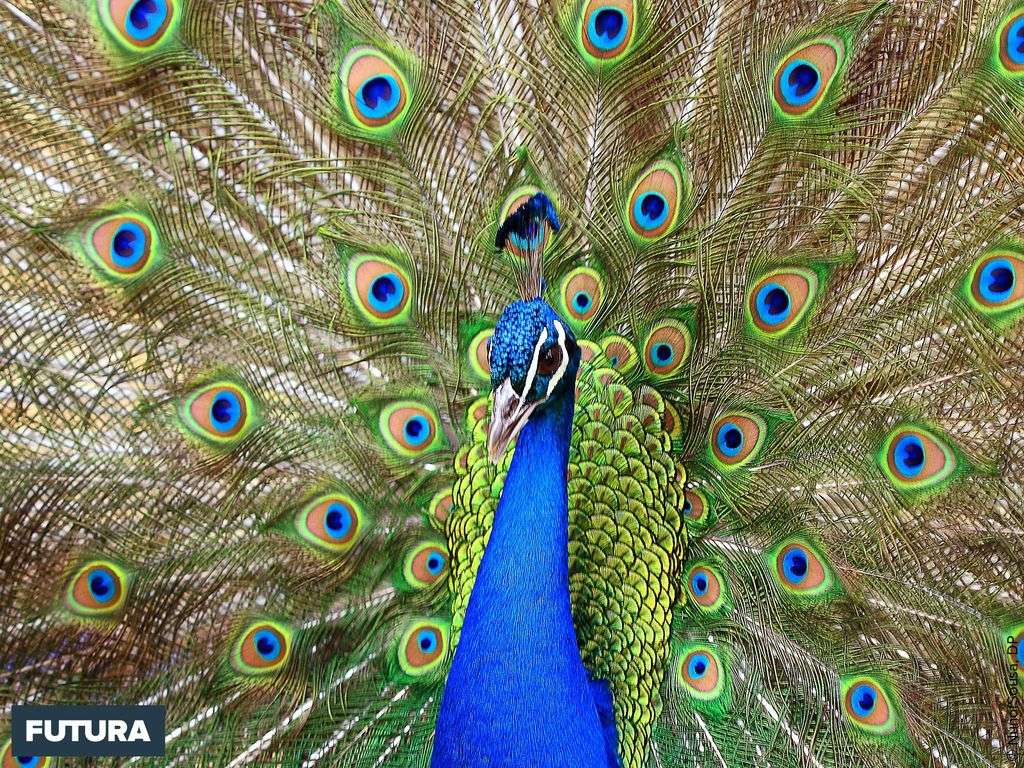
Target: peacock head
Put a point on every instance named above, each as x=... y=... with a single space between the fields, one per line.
x=534 y=358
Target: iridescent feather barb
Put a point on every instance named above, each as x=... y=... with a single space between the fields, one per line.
x=249 y=295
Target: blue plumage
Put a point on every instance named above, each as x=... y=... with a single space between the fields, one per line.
x=518 y=693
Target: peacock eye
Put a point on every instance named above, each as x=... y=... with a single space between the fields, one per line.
x=549 y=360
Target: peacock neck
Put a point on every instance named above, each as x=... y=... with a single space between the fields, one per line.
x=517 y=689
x=532 y=520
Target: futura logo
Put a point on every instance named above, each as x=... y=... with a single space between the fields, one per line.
x=87 y=731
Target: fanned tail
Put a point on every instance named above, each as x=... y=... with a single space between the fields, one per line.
x=248 y=280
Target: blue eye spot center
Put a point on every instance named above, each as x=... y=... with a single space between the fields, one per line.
x=222 y=409
x=145 y=18
x=864 y=699
x=27 y=761
x=652 y=206
x=777 y=301
x=606 y=29
x=1001 y=280
x=609 y=23
x=124 y=243
x=698 y=666
x=337 y=521
x=913 y=456
x=101 y=585
x=650 y=210
x=662 y=352
x=387 y=292
x=799 y=83
x=434 y=563
x=794 y=566
x=426 y=641
x=128 y=246
x=687 y=507
x=416 y=430
x=140 y=13
x=909 y=456
x=376 y=90
x=803 y=78
x=225 y=411
x=581 y=300
x=267 y=644
x=730 y=439
x=700 y=584
x=997 y=279
x=614 y=360
x=1015 y=41
x=383 y=288
x=773 y=304
x=379 y=97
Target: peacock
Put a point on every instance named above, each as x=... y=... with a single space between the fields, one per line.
x=536 y=383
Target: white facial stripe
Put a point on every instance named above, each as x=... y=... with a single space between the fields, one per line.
x=533 y=363
x=557 y=376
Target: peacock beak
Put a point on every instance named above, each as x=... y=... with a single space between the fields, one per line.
x=508 y=416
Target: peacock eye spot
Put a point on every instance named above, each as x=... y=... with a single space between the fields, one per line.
x=606 y=28
x=262 y=649
x=662 y=353
x=409 y=428
x=424 y=565
x=332 y=522
x=582 y=300
x=732 y=437
x=687 y=507
x=372 y=90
